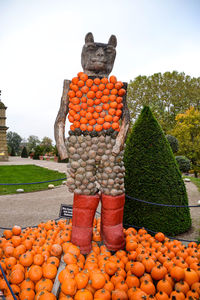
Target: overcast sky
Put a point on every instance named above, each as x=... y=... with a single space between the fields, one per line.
x=41 y=43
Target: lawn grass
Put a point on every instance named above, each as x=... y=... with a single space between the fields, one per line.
x=26 y=174
x=196 y=181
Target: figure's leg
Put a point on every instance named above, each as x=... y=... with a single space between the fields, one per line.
x=113 y=198
x=112 y=221
x=84 y=208
x=81 y=181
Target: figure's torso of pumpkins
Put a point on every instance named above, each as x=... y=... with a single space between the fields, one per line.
x=95 y=104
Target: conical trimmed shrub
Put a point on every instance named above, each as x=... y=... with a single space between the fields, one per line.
x=152 y=175
x=24 y=153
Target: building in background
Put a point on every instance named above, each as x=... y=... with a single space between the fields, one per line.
x=3 y=128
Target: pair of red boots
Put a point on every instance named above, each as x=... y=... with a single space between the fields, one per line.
x=84 y=208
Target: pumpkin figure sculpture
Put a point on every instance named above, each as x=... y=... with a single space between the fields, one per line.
x=96 y=107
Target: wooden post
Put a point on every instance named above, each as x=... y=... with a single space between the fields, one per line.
x=56 y=285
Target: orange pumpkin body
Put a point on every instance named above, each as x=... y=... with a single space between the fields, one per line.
x=88 y=98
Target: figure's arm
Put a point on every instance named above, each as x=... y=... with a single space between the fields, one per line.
x=121 y=137
x=59 y=126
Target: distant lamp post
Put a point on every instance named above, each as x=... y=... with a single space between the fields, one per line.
x=3 y=128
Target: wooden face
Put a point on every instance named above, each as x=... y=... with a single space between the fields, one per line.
x=98 y=59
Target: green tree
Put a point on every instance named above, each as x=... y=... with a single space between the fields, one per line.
x=166 y=94
x=14 y=141
x=46 y=144
x=37 y=152
x=9 y=150
x=32 y=142
x=152 y=175
x=187 y=131
x=24 y=153
x=12 y=152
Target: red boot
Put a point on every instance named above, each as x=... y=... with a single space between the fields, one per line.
x=111 y=221
x=84 y=208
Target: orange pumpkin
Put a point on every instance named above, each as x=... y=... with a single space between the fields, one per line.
x=16 y=230
x=102 y=294
x=81 y=280
x=27 y=294
x=97 y=280
x=69 y=287
x=83 y=294
x=35 y=273
x=26 y=259
x=16 y=276
x=49 y=271
x=44 y=284
x=27 y=283
x=56 y=250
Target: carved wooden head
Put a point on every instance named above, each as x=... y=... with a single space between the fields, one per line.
x=97 y=59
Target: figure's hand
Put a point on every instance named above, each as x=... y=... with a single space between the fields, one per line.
x=66 y=156
x=63 y=152
x=117 y=147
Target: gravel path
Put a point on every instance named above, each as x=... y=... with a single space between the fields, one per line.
x=194 y=197
x=31 y=208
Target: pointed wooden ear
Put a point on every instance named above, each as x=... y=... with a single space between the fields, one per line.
x=89 y=38
x=113 y=41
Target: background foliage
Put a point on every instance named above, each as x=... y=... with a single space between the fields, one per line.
x=17 y=145
x=187 y=131
x=166 y=94
x=183 y=163
x=173 y=142
x=13 y=141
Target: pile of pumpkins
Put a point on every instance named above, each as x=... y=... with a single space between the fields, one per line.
x=150 y=267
